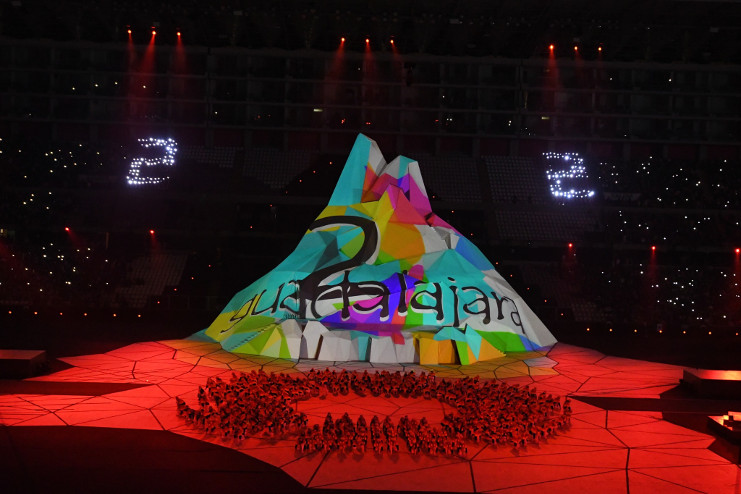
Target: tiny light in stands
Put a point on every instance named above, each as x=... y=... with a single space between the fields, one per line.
x=66 y=228
x=151 y=232
x=653 y=248
x=738 y=251
x=570 y=245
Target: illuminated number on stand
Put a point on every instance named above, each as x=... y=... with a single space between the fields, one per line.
x=563 y=170
x=169 y=146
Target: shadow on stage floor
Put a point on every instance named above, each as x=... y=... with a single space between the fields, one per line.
x=38 y=460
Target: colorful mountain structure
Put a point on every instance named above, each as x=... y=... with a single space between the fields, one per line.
x=379 y=276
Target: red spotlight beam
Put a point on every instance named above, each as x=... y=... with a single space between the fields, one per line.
x=554 y=81
x=334 y=74
x=398 y=62
x=369 y=76
x=146 y=67
x=130 y=50
x=179 y=61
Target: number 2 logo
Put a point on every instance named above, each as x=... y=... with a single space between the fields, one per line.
x=153 y=168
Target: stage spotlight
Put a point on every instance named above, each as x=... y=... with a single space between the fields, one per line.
x=154 y=33
x=66 y=229
x=653 y=248
x=128 y=31
x=738 y=251
x=576 y=48
x=570 y=245
x=178 y=33
x=392 y=41
x=551 y=47
x=151 y=232
x=599 y=49
x=342 y=40
x=367 y=41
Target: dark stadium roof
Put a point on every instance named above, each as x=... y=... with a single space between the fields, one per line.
x=665 y=31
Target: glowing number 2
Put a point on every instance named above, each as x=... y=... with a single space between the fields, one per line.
x=574 y=171
x=169 y=147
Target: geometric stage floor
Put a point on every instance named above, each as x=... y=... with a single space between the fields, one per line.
x=604 y=450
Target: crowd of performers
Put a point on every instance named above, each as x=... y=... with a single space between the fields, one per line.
x=488 y=411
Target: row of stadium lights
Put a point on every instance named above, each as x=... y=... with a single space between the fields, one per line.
x=84 y=314
x=179 y=35
x=660 y=331
x=736 y=251
x=367 y=41
x=69 y=230
x=551 y=47
x=154 y=32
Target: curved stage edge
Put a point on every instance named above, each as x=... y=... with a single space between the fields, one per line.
x=129 y=418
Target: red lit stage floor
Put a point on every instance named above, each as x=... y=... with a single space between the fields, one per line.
x=605 y=450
